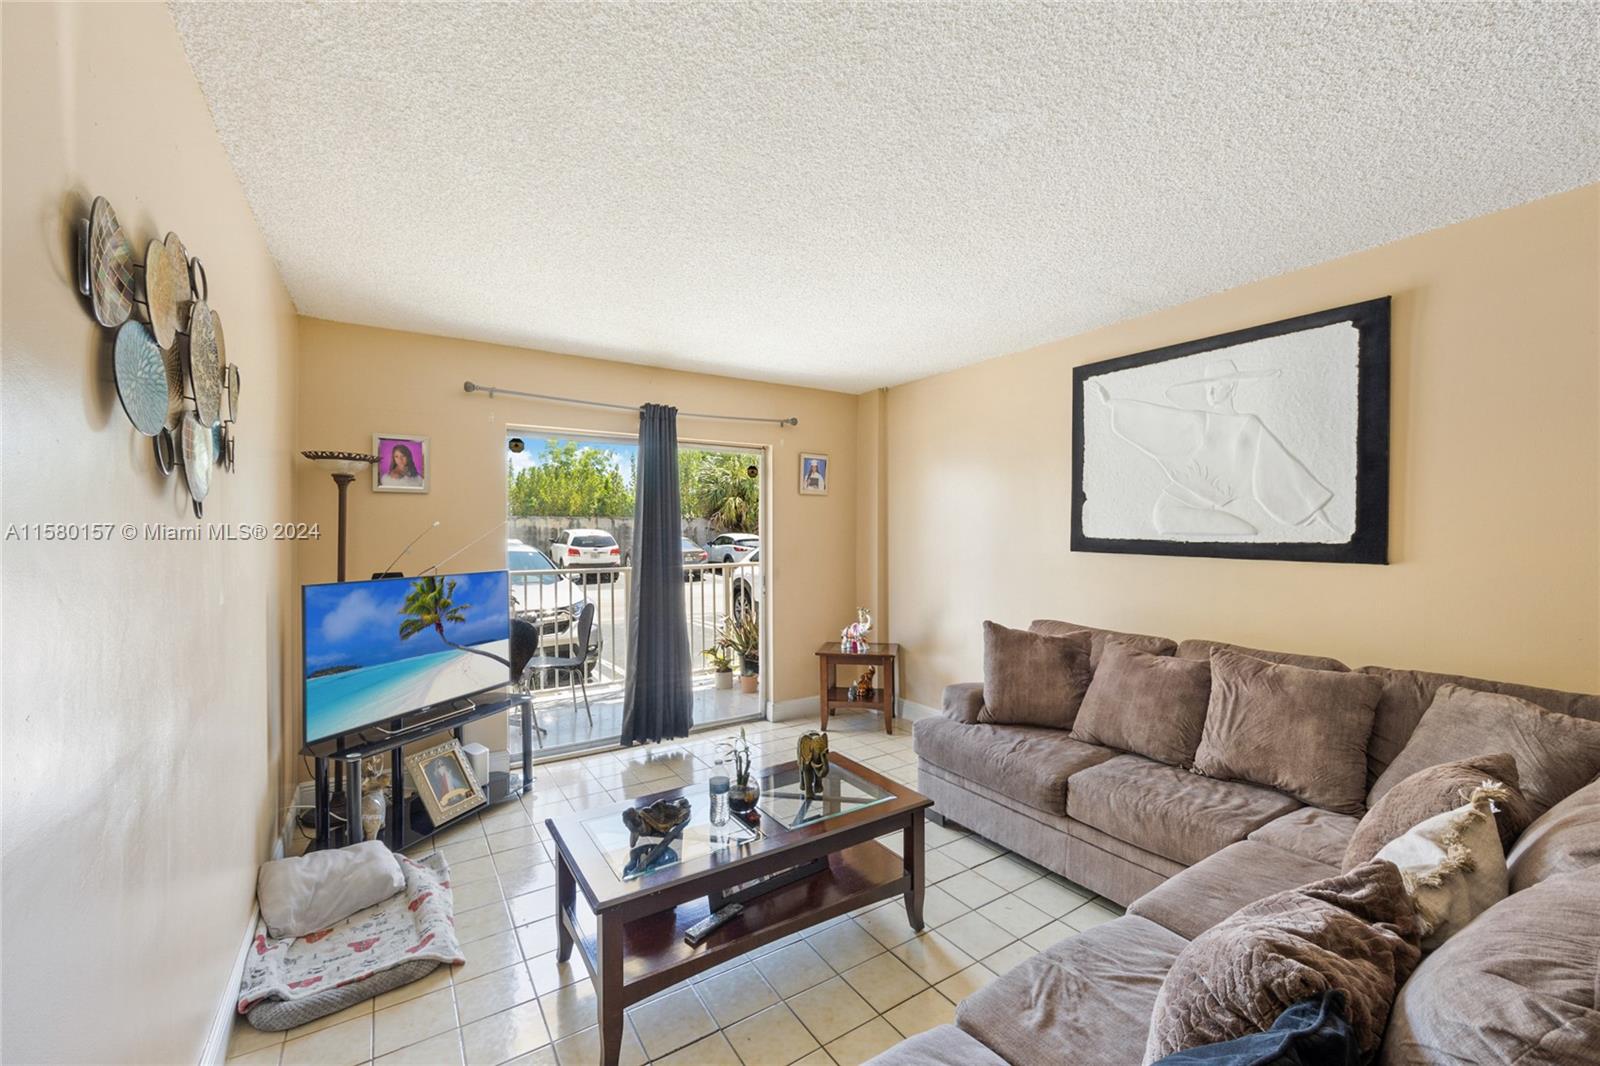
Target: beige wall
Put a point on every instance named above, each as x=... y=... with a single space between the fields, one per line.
x=357 y=380
x=1495 y=467
x=141 y=680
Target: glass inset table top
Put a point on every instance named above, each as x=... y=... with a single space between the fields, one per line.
x=842 y=792
x=629 y=860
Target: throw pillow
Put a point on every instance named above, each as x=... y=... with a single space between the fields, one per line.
x=1313 y=1033
x=1299 y=731
x=1154 y=705
x=1556 y=754
x=1099 y=638
x=1453 y=865
x=1032 y=679
x=1355 y=933
x=1436 y=790
x=1562 y=840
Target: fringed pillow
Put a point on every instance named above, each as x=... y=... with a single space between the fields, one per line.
x=1453 y=864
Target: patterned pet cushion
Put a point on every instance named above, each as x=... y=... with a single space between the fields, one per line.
x=293 y=980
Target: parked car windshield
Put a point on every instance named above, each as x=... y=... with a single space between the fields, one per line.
x=527 y=559
x=592 y=540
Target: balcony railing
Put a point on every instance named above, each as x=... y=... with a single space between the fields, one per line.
x=549 y=599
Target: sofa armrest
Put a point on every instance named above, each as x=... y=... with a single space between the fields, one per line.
x=963 y=701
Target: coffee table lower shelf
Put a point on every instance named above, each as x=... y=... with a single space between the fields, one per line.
x=654 y=955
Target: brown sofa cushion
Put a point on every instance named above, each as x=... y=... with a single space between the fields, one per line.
x=1085 y=1000
x=1562 y=840
x=1516 y=986
x=1169 y=811
x=1202 y=649
x=1193 y=901
x=943 y=1045
x=1355 y=932
x=1300 y=731
x=963 y=701
x=1556 y=754
x=1154 y=705
x=1032 y=679
x=1407 y=694
x=1026 y=763
x=1311 y=832
x=1098 y=638
x=1433 y=791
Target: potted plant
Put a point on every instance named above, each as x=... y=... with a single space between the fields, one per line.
x=720 y=660
x=742 y=637
x=743 y=792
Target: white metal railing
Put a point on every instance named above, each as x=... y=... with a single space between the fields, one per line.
x=549 y=599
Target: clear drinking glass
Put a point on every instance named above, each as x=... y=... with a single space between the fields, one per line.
x=719 y=800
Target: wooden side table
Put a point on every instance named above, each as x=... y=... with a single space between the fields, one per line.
x=833 y=695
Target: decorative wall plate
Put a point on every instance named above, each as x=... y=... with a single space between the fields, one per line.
x=141 y=374
x=233 y=391
x=199 y=286
x=165 y=458
x=205 y=373
x=110 y=266
x=219 y=443
x=166 y=287
x=197 y=459
x=228 y=447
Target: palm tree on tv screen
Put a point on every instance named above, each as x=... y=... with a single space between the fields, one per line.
x=429 y=606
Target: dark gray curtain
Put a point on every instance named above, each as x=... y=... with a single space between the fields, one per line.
x=659 y=702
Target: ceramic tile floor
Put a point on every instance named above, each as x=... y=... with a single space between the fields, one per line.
x=839 y=994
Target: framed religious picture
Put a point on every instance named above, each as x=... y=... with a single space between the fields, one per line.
x=813 y=474
x=1266 y=443
x=402 y=464
x=444 y=782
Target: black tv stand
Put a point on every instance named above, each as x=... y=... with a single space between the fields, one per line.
x=402 y=826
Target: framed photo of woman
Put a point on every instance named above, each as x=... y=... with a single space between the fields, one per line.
x=444 y=782
x=402 y=464
x=813 y=474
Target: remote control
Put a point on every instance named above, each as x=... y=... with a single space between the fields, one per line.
x=703 y=928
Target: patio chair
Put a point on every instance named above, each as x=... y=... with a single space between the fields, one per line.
x=574 y=663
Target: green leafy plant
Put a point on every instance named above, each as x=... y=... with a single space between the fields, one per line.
x=719 y=658
x=742 y=637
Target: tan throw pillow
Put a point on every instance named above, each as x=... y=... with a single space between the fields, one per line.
x=1556 y=754
x=1355 y=933
x=1453 y=865
x=1436 y=790
x=1151 y=704
x=1299 y=731
x=1032 y=679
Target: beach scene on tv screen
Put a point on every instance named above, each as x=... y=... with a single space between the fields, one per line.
x=378 y=649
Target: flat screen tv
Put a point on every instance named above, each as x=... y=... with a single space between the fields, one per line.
x=375 y=650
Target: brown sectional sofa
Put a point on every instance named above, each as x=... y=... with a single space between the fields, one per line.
x=1183 y=851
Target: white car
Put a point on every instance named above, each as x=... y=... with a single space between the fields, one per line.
x=544 y=596
x=586 y=549
x=733 y=547
x=747 y=587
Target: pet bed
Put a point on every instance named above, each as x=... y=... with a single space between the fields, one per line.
x=294 y=980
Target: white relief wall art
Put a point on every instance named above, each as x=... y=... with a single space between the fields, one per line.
x=1266 y=443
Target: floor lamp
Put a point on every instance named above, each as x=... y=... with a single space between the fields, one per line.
x=344 y=466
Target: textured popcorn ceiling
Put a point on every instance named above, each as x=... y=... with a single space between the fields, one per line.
x=853 y=196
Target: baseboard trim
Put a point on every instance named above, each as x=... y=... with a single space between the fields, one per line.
x=216 y=1049
x=915 y=712
x=789 y=710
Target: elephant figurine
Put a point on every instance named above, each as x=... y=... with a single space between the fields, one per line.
x=854 y=636
x=811 y=753
x=662 y=818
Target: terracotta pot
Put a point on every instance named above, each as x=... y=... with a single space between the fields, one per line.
x=748 y=683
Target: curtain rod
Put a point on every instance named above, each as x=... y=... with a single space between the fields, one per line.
x=494 y=390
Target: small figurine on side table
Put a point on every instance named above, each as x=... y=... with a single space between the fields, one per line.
x=853 y=638
x=861 y=687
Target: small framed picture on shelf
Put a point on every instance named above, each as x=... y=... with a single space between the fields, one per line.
x=813 y=474
x=402 y=464
x=444 y=782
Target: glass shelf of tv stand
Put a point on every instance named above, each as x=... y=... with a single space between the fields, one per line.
x=404 y=811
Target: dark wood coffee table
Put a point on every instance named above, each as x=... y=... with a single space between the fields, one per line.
x=633 y=943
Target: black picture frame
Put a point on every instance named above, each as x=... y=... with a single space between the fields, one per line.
x=1370 y=541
